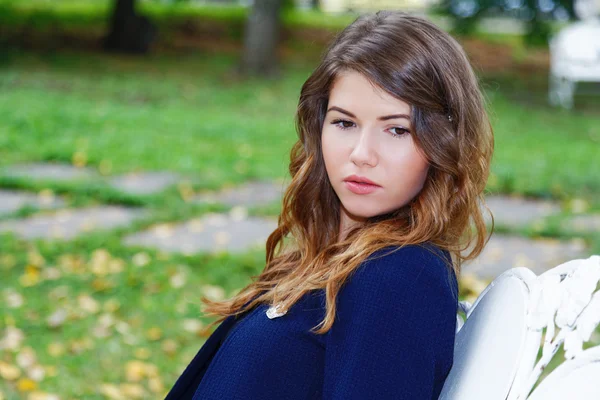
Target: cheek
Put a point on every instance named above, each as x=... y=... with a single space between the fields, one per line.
x=410 y=170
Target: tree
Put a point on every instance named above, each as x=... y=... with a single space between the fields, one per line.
x=536 y=14
x=130 y=32
x=261 y=38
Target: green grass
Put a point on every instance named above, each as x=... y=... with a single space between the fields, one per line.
x=82 y=13
x=190 y=114
x=195 y=117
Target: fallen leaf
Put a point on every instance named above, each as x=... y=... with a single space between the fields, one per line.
x=42 y=396
x=26 y=357
x=141 y=259
x=132 y=391
x=57 y=318
x=135 y=370
x=13 y=298
x=26 y=385
x=31 y=277
x=88 y=304
x=111 y=305
x=169 y=346
x=35 y=259
x=79 y=159
x=51 y=370
x=192 y=325
x=154 y=333
x=51 y=273
x=143 y=352
x=9 y=372
x=178 y=280
x=112 y=391
x=36 y=373
x=213 y=292
x=8 y=261
x=155 y=384
x=13 y=337
x=56 y=349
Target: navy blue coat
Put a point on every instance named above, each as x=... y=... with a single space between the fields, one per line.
x=393 y=338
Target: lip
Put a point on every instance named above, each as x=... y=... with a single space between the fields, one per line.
x=360 y=185
x=359 y=179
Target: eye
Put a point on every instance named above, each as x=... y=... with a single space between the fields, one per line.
x=398 y=131
x=343 y=123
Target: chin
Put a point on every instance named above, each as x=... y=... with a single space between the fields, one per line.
x=360 y=211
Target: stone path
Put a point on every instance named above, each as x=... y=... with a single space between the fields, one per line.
x=236 y=231
x=12 y=201
x=516 y=212
x=144 y=183
x=584 y=223
x=211 y=233
x=68 y=224
x=48 y=171
x=249 y=194
x=504 y=252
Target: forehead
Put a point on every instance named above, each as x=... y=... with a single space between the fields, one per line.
x=354 y=92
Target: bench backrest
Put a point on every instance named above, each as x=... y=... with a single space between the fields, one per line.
x=496 y=351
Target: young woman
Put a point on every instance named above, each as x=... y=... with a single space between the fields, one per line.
x=358 y=298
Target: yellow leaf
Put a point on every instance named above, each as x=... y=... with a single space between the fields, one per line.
x=79 y=159
x=169 y=346
x=9 y=372
x=26 y=385
x=154 y=333
x=8 y=261
x=112 y=392
x=46 y=196
x=132 y=391
x=51 y=370
x=135 y=370
x=34 y=258
x=152 y=370
x=143 y=352
x=31 y=277
x=156 y=385
x=111 y=305
x=88 y=304
x=42 y=396
x=26 y=357
x=101 y=284
x=56 y=349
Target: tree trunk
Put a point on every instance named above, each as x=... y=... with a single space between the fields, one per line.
x=261 y=39
x=129 y=31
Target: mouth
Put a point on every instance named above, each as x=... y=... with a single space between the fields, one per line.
x=360 y=180
x=359 y=185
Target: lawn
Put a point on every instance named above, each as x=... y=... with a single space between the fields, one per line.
x=104 y=320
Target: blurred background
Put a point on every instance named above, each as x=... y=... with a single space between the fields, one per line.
x=144 y=148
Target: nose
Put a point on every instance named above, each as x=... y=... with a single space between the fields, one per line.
x=364 y=152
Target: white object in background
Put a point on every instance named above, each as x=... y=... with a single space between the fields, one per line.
x=496 y=348
x=575 y=54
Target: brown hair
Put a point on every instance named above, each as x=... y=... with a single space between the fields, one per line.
x=416 y=62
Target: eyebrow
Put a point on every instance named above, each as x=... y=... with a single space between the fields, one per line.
x=383 y=118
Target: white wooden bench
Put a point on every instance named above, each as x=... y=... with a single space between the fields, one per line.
x=496 y=349
x=575 y=54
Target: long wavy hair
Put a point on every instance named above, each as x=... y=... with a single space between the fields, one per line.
x=414 y=61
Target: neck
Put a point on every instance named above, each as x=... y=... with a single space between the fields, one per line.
x=348 y=222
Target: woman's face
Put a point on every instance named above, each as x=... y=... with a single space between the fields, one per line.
x=366 y=135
